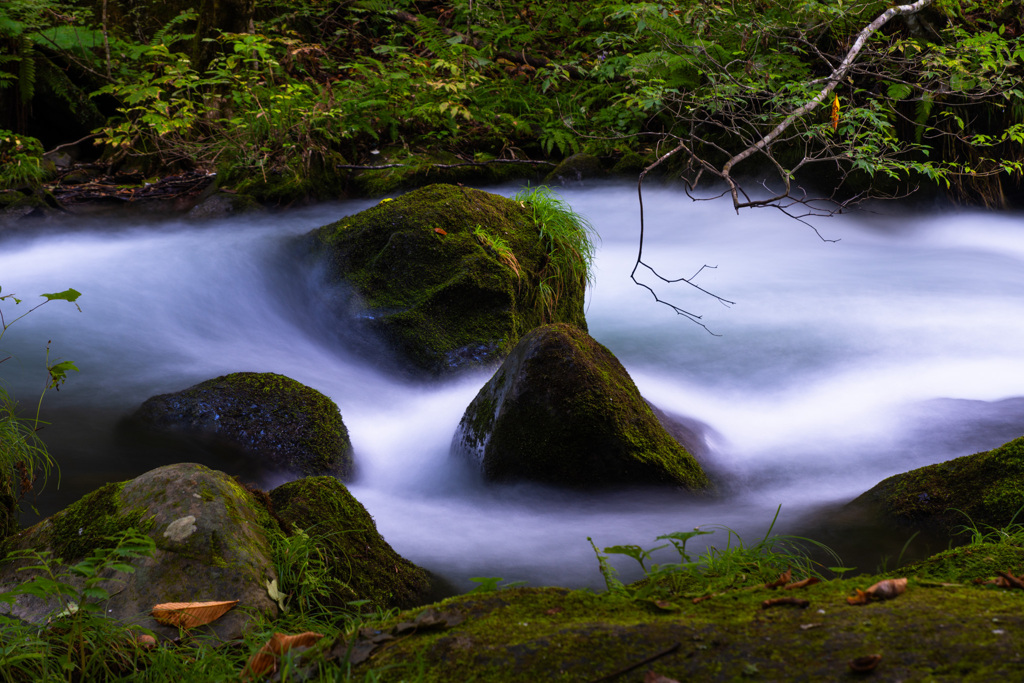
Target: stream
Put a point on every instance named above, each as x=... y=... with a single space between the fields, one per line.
x=839 y=364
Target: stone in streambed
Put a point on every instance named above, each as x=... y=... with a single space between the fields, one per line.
x=211 y=540
x=284 y=423
x=562 y=410
x=984 y=490
x=448 y=276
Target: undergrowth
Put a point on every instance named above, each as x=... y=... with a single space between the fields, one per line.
x=716 y=569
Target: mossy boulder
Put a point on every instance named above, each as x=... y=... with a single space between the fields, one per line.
x=398 y=171
x=212 y=544
x=984 y=490
x=562 y=410
x=361 y=563
x=286 y=424
x=576 y=169
x=447 y=275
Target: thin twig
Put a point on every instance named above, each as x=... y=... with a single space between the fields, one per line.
x=626 y=670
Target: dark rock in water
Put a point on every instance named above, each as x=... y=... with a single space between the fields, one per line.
x=449 y=276
x=222 y=205
x=983 y=491
x=360 y=563
x=575 y=169
x=286 y=424
x=562 y=410
x=211 y=540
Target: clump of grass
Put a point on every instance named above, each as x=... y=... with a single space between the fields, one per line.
x=499 y=246
x=568 y=239
x=716 y=569
x=1012 y=533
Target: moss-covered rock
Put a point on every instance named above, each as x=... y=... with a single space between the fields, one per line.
x=447 y=275
x=213 y=542
x=576 y=169
x=286 y=424
x=561 y=409
x=398 y=171
x=984 y=490
x=362 y=565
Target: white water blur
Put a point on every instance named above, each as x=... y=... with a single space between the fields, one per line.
x=839 y=364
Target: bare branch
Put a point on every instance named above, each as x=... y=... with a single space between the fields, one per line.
x=837 y=75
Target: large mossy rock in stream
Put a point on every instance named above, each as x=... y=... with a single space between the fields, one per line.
x=212 y=544
x=360 y=563
x=449 y=276
x=286 y=424
x=984 y=490
x=562 y=410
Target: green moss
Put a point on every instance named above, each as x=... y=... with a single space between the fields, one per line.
x=423 y=169
x=555 y=634
x=986 y=488
x=571 y=415
x=85 y=525
x=431 y=288
x=293 y=426
x=970 y=563
x=364 y=566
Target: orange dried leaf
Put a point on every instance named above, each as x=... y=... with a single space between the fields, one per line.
x=888 y=589
x=883 y=590
x=861 y=598
x=439 y=231
x=191 y=614
x=266 y=659
x=784 y=578
x=809 y=581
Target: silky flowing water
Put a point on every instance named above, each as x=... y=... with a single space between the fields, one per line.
x=841 y=363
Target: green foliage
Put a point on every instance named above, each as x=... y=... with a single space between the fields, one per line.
x=21 y=161
x=1012 y=533
x=303 y=575
x=569 y=240
x=490 y=584
x=78 y=642
x=24 y=457
x=716 y=569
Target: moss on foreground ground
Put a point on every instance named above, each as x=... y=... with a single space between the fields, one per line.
x=949 y=625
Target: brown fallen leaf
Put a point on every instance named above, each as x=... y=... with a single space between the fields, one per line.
x=266 y=659
x=146 y=641
x=191 y=614
x=439 y=231
x=883 y=590
x=784 y=578
x=1009 y=581
x=778 y=602
x=809 y=581
x=864 y=664
x=655 y=677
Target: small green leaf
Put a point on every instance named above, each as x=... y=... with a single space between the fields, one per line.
x=277 y=596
